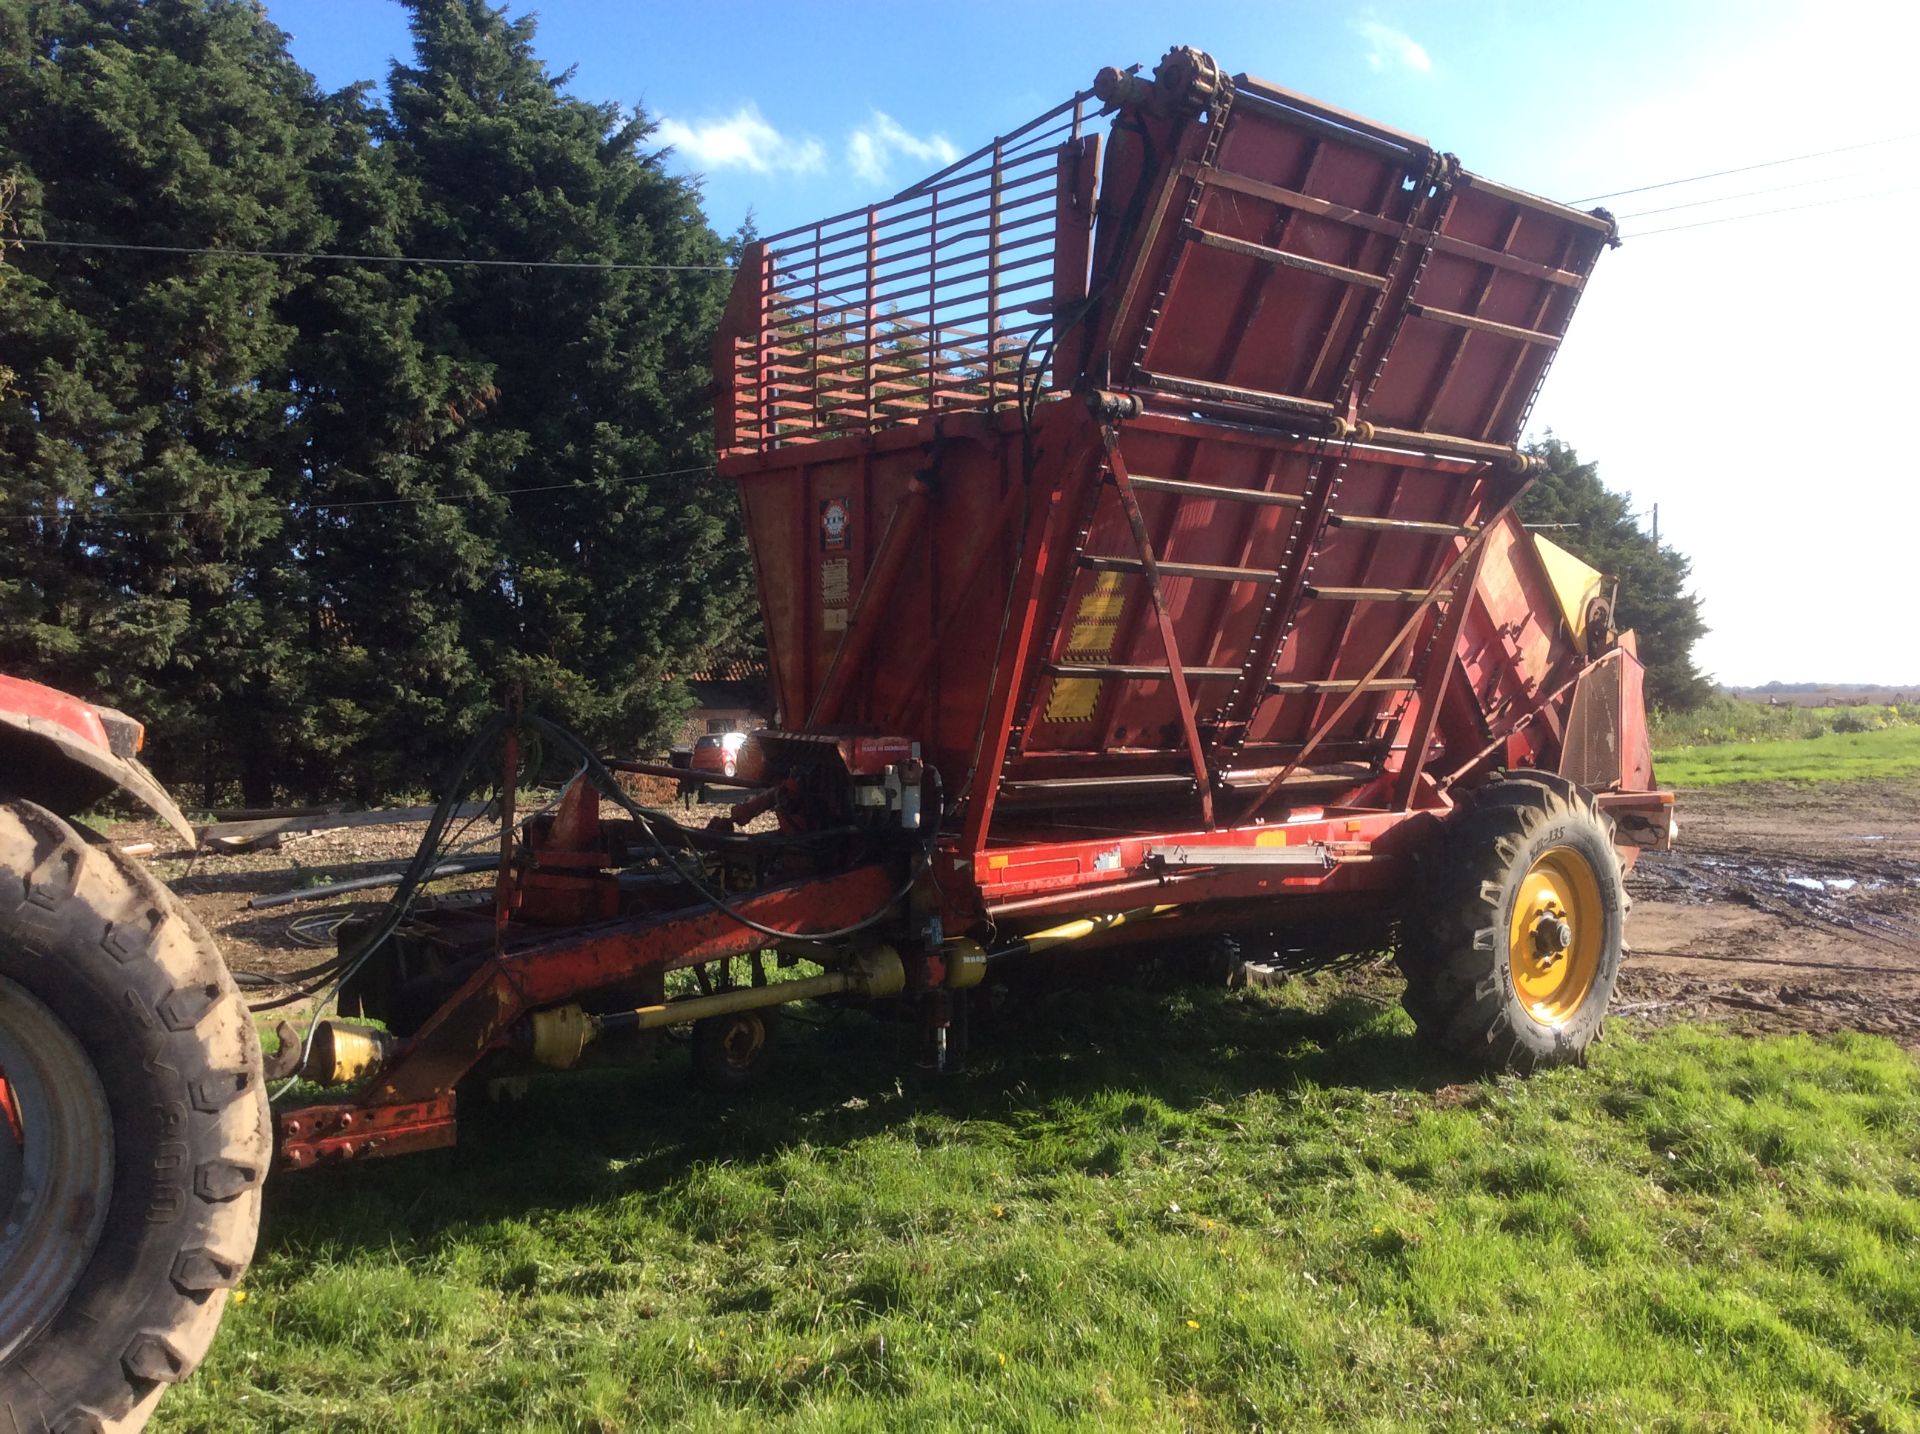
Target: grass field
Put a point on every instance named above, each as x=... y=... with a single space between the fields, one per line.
x=1733 y=740
x=1139 y=1210
x=1836 y=757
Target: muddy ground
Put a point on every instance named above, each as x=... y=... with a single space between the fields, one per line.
x=1783 y=907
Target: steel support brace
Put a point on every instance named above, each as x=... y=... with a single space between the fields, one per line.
x=1013 y=660
x=1440 y=585
x=1547 y=700
x=321 y=1134
x=1176 y=674
x=1433 y=689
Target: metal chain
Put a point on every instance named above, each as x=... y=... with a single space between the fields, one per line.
x=1438 y=178
x=1441 y=171
x=1222 y=107
x=1441 y=175
x=1408 y=229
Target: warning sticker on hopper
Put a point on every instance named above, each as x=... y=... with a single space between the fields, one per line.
x=836 y=594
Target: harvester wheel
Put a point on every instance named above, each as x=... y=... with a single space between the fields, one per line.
x=1213 y=961
x=1513 y=944
x=731 y=1053
x=134 y=1136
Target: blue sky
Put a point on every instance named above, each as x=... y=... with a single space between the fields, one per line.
x=1738 y=374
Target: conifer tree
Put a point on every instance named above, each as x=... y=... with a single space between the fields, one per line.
x=145 y=453
x=620 y=568
x=381 y=413
x=311 y=517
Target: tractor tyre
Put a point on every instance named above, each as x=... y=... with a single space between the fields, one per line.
x=731 y=1053
x=1513 y=940
x=134 y=1136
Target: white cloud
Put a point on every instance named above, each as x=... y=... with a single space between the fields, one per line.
x=871 y=148
x=1388 y=46
x=743 y=140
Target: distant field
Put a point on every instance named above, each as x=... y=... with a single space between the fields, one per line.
x=1140 y=1211
x=1839 y=757
x=1730 y=719
x=1729 y=740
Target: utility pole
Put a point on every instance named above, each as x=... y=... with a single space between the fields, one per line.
x=1656 y=525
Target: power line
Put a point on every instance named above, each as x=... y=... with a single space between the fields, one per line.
x=1763 y=213
x=1746 y=194
x=369 y=258
x=1748 y=168
x=384 y=502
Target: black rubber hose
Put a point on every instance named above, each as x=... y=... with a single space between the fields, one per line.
x=604 y=781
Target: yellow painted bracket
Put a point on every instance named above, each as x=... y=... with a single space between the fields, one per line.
x=1575 y=584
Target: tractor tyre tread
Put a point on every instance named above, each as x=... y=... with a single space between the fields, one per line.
x=139 y=982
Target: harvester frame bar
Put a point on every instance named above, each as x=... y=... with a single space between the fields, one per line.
x=1163 y=619
x=410 y=1105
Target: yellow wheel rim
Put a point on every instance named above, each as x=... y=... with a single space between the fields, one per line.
x=1555 y=936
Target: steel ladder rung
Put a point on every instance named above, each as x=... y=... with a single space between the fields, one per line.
x=1401 y=525
x=1371 y=594
x=1339 y=684
x=1216 y=490
x=1219 y=572
x=1458 y=320
x=1267 y=254
x=1135 y=671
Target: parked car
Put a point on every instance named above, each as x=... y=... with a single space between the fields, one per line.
x=719 y=752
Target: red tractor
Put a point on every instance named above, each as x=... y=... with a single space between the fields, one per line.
x=133 y=1123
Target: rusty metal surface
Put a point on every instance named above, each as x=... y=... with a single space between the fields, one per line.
x=326 y=1134
x=1605 y=747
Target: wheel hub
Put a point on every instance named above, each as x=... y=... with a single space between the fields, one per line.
x=56 y=1164
x=1552 y=936
x=1555 y=936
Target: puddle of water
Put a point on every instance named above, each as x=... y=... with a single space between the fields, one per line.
x=1831 y=883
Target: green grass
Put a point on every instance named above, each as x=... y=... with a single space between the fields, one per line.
x=1838 y=757
x=1138 y=1211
